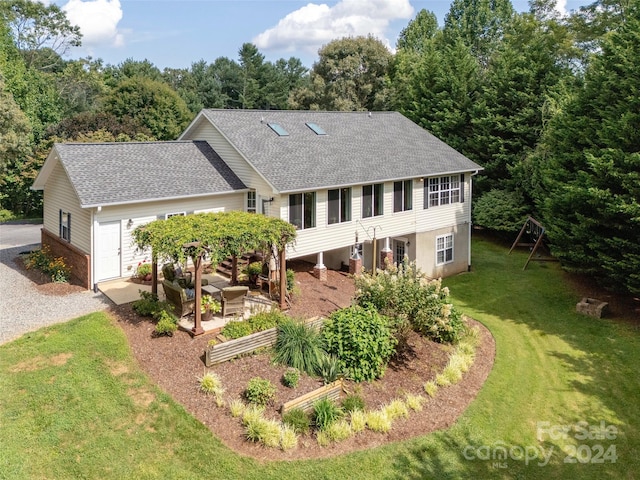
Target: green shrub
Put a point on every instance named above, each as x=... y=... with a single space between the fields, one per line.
x=6 y=215
x=336 y=432
x=143 y=269
x=236 y=329
x=326 y=412
x=298 y=420
x=353 y=402
x=404 y=292
x=149 y=305
x=396 y=409
x=265 y=320
x=291 y=378
x=431 y=388
x=414 y=402
x=361 y=340
x=260 y=391
x=167 y=324
x=54 y=267
x=299 y=346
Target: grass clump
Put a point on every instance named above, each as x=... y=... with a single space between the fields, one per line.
x=260 y=391
x=336 y=432
x=378 y=421
x=352 y=402
x=414 y=402
x=236 y=407
x=431 y=388
x=326 y=412
x=396 y=409
x=298 y=420
x=262 y=430
x=299 y=346
x=288 y=438
x=358 y=420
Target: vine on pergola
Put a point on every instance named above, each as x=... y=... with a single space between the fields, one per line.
x=218 y=235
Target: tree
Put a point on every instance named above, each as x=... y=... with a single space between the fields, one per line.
x=151 y=104
x=351 y=74
x=591 y=22
x=71 y=128
x=41 y=32
x=589 y=165
x=507 y=118
x=131 y=68
x=15 y=130
x=437 y=88
x=480 y=25
x=419 y=31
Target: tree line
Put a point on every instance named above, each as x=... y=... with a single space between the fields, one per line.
x=549 y=105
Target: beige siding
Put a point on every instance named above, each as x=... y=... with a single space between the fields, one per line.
x=418 y=226
x=203 y=130
x=143 y=213
x=59 y=194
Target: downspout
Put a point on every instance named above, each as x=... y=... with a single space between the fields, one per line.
x=470 y=222
x=94 y=223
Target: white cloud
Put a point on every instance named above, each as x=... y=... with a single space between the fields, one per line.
x=98 y=21
x=561 y=7
x=314 y=25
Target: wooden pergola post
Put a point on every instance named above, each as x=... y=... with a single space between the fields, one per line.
x=154 y=274
x=197 y=284
x=283 y=279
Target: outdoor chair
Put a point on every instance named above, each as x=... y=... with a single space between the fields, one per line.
x=233 y=299
x=185 y=279
x=182 y=300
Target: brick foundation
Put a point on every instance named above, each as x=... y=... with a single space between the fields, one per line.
x=320 y=273
x=79 y=261
x=355 y=266
x=386 y=257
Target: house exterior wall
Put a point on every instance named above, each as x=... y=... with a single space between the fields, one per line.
x=60 y=195
x=143 y=213
x=78 y=261
x=419 y=227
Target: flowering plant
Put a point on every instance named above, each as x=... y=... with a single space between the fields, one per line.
x=208 y=303
x=143 y=270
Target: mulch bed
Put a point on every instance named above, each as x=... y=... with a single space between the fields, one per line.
x=176 y=362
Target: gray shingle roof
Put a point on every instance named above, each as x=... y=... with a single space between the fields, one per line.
x=357 y=148
x=115 y=173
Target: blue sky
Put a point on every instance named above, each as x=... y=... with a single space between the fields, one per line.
x=176 y=33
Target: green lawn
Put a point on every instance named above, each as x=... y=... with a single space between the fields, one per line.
x=73 y=403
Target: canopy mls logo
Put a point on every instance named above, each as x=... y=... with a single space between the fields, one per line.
x=595 y=451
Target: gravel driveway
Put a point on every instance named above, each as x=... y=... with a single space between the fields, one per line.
x=22 y=307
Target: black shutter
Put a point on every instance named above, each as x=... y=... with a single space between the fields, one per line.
x=69 y=227
x=60 y=223
x=462 y=188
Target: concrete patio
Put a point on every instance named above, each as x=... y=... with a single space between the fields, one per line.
x=122 y=291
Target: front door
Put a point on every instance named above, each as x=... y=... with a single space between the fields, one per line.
x=399 y=251
x=108 y=251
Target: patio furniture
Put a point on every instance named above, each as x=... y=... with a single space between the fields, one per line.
x=182 y=299
x=233 y=299
x=185 y=279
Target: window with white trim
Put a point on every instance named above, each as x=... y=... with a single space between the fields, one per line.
x=251 y=201
x=372 y=200
x=444 y=249
x=402 y=196
x=339 y=205
x=444 y=190
x=65 y=226
x=302 y=210
x=175 y=214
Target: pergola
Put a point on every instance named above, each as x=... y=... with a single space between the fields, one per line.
x=216 y=236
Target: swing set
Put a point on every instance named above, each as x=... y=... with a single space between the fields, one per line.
x=534 y=232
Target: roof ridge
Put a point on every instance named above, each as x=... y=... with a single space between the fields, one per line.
x=142 y=142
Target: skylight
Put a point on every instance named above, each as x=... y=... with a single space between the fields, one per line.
x=278 y=129
x=316 y=128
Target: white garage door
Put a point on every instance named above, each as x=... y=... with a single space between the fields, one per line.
x=108 y=251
